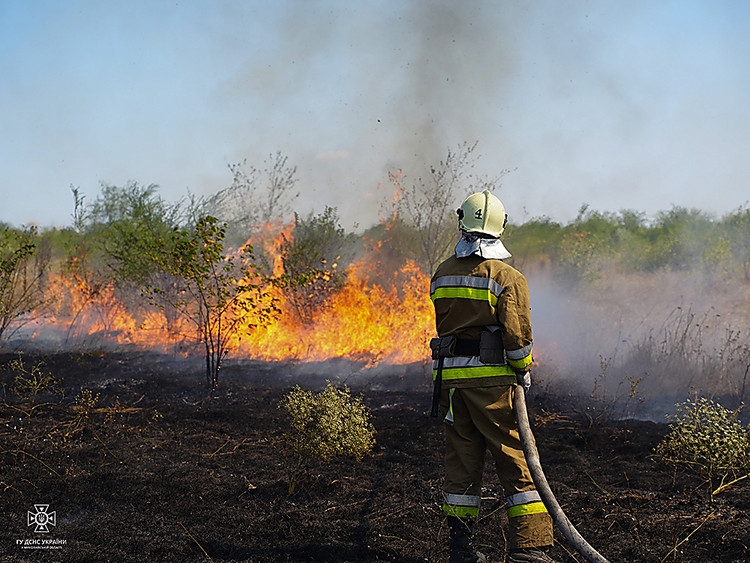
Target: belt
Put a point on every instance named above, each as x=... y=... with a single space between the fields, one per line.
x=466 y=347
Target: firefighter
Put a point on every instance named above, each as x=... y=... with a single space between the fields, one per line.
x=483 y=350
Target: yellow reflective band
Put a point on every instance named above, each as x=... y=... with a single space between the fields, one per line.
x=475 y=371
x=449 y=415
x=461 y=511
x=525 y=509
x=523 y=363
x=477 y=294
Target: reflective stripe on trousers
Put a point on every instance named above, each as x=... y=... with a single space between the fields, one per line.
x=462 y=506
x=521 y=504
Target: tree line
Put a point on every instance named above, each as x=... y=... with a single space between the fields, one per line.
x=677 y=239
x=222 y=261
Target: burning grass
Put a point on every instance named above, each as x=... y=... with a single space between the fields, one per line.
x=364 y=319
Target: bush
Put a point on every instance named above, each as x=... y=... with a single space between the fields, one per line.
x=314 y=259
x=324 y=425
x=23 y=271
x=31 y=381
x=709 y=440
x=222 y=295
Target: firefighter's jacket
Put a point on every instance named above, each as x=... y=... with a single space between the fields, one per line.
x=472 y=295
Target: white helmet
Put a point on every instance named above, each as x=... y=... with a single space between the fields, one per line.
x=482 y=214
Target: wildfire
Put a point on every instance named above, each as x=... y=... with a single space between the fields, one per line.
x=91 y=314
x=362 y=320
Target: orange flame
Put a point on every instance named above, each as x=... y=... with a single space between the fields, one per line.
x=364 y=320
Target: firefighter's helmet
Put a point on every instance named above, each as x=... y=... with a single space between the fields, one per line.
x=482 y=214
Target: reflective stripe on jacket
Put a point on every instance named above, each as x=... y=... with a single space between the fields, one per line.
x=470 y=294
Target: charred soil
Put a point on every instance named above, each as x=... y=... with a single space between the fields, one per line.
x=145 y=467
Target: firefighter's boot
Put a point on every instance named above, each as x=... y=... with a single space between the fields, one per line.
x=462 y=548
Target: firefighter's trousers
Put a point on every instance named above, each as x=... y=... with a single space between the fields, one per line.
x=478 y=419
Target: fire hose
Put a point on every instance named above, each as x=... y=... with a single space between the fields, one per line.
x=553 y=507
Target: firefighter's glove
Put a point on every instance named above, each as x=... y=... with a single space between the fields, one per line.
x=523 y=378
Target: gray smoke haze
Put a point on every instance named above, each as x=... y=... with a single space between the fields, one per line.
x=650 y=339
x=636 y=105
x=360 y=91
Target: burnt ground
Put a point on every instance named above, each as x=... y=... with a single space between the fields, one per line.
x=157 y=472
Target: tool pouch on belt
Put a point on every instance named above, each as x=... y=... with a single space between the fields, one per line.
x=491 y=349
x=443 y=346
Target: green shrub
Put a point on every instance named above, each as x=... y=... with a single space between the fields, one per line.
x=24 y=264
x=32 y=380
x=708 y=439
x=324 y=425
x=315 y=258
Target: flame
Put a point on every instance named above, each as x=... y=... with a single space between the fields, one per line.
x=362 y=321
x=90 y=313
x=365 y=319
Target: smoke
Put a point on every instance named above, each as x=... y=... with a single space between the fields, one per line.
x=543 y=88
x=354 y=91
x=451 y=82
x=639 y=343
x=634 y=105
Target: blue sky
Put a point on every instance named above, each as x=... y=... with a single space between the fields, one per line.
x=636 y=105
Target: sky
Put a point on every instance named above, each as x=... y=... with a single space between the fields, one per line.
x=637 y=105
